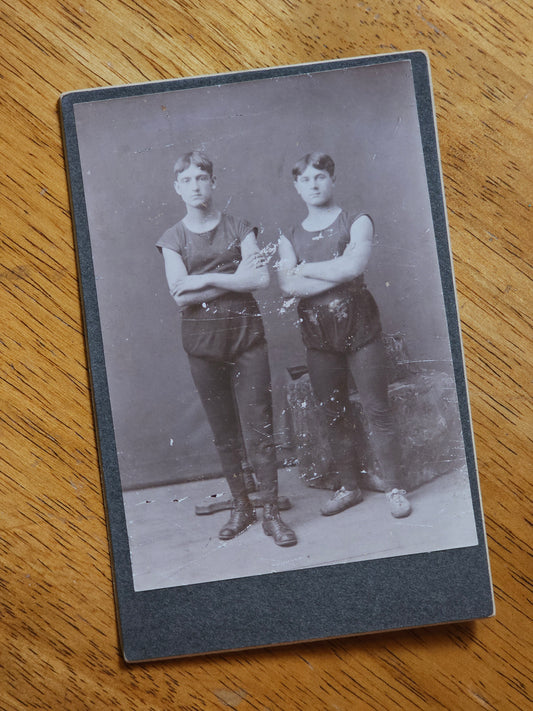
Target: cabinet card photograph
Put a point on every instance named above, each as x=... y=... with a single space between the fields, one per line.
x=272 y=328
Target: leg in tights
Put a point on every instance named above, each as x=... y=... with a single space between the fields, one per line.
x=237 y=397
x=213 y=380
x=368 y=368
x=253 y=393
x=328 y=372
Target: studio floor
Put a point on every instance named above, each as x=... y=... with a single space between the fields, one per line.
x=170 y=545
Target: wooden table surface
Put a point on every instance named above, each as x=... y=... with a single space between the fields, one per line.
x=58 y=635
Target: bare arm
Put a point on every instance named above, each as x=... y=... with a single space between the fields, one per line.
x=291 y=281
x=177 y=277
x=197 y=297
x=354 y=260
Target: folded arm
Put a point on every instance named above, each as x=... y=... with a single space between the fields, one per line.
x=177 y=277
x=251 y=274
x=291 y=281
x=350 y=264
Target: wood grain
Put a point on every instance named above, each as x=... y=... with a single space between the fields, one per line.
x=59 y=642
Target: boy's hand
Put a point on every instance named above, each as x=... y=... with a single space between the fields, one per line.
x=252 y=262
x=299 y=270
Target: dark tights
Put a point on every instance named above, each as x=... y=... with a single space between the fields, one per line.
x=237 y=397
x=329 y=377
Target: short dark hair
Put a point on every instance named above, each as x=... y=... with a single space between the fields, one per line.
x=320 y=161
x=197 y=158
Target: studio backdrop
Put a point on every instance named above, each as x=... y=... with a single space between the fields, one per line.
x=254 y=131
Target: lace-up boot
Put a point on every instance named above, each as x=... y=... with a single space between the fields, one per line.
x=275 y=527
x=242 y=516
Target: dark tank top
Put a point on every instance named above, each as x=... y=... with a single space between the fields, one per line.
x=225 y=327
x=345 y=317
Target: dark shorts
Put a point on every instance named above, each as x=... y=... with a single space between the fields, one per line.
x=222 y=329
x=341 y=321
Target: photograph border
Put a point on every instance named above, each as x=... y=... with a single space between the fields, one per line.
x=280 y=608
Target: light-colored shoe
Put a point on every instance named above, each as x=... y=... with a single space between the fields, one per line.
x=399 y=505
x=341 y=500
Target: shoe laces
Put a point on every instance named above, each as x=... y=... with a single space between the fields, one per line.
x=270 y=510
x=241 y=505
x=340 y=493
x=396 y=494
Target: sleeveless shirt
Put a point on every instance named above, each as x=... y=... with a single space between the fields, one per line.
x=225 y=327
x=345 y=317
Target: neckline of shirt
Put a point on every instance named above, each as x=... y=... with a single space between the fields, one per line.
x=327 y=227
x=205 y=232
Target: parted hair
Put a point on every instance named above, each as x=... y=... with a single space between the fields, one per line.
x=197 y=158
x=320 y=161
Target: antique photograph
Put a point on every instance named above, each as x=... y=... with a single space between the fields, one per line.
x=274 y=326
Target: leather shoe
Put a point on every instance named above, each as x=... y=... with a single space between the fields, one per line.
x=275 y=527
x=242 y=516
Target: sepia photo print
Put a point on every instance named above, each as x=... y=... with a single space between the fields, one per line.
x=278 y=371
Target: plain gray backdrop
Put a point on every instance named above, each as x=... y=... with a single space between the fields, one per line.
x=254 y=131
